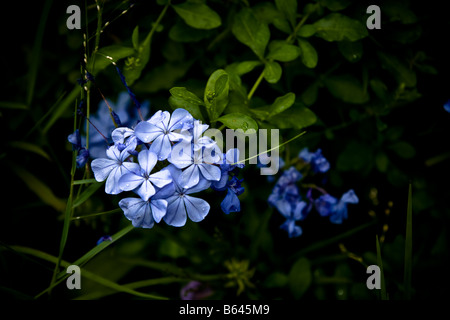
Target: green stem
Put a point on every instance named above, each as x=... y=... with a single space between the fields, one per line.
x=255 y=86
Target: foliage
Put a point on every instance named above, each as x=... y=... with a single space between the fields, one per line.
x=371 y=100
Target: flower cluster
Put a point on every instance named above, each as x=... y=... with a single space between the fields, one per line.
x=286 y=196
x=165 y=161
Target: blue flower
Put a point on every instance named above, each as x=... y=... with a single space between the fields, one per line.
x=124 y=110
x=285 y=194
x=447 y=106
x=315 y=159
x=114 y=167
x=143 y=214
x=227 y=165
x=180 y=204
x=231 y=201
x=104 y=238
x=162 y=133
x=75 y=140
x=142 y=181
x=329 y=206
x=82 y=157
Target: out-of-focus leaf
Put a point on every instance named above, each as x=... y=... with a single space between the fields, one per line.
x=31 y=148
x=282 y=51
x=335 y=5
x=241 y=68
x=39 y=188
x=198 y=15
x=272 y=71
x=403 y=149
x=300 y=277
x=297 y=117
x=282 y=103
x=308 y=53
x=338 y=27
x=99 y=61
x=181 y=32
x=355 y=157
x=13 y=105
x=250 y=31
x=347 y=88
x=306 y=31
x=398 y=69
x=288 y=8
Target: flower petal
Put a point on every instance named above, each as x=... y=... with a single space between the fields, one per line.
x=159 y=209
x=137 y=211
x=196 y=208
x=161 y=147
x=146 y=190
x=230 y=203
x=176 y=212
x=130 y=181
x=102 y=168
x=349 y=197
x=189 y=177
x=147 y=160
x=210 y=172
x=120 y=134
x=147 y=132
x=161 y=178
x=180 y=118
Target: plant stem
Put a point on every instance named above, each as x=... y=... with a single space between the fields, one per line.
x=255 y=86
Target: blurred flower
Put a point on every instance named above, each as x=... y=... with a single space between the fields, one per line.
x=447 y=106
x=104 y=238
x=315 y=159
x=329 y=206
x=195 y=290
x=231 y=201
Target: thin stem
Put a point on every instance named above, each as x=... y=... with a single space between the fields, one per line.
x=255 y=86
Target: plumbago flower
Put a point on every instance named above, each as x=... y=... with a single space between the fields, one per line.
x=187 y=163
x=287 y=199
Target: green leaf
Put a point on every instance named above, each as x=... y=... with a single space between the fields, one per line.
x=296 y=117
x=198 y=15
x=250 y=31
x=192 y=108
x=308 y=53
x=300 y=277
x=281 y=104
x=183 y=93
x=355 y=157
x=216 y=93
x=347 y=88
x=288 y=8
x=13 y=105
x=398 y=69
x=241 y=68
x=238 y=121
x=282 y=51
x=135 y=38
x=181 y=32
x=382 y=161
x=335 y=5
x=99 y=61
x=403 y=149
x=306 y=31
x=309 y=96
x=337 y=27
x=276 y=280
x=408 y=248
x=137 y=62
x=272 y=71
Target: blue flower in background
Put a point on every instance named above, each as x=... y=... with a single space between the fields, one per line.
x=231 y=201
x=315 y=159
x=447 y=106
x=180 y=204
x=163 y=133
x=124 y=109
x=142 y=181
x=114 y=167
x=285 y=195
x=329 y=206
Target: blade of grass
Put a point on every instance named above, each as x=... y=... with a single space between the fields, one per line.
x=61 y=107
x=86 y=194
x=31 y=148
x=97 y=214
x=88 y=274
x=380 y=264
x=87 y=256
x=84 y=181
x=408 y=248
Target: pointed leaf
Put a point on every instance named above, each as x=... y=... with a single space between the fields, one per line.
x=282 y=103
x=300 y=277
x=272 y=71
x=198 y=15
x=238 y=121
x=337 y=27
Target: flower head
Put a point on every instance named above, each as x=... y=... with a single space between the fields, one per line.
x=143 y=213
x=315 y=159
x=329 y=206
